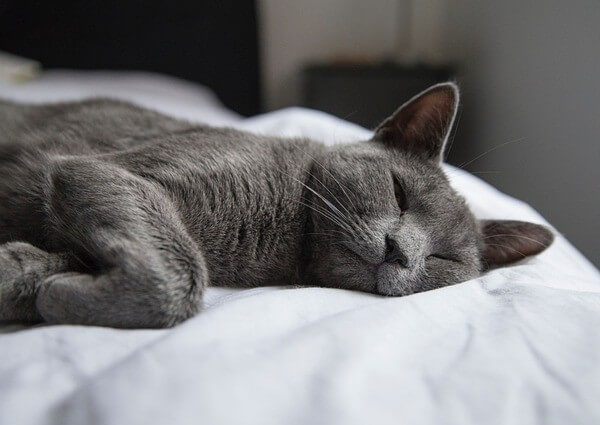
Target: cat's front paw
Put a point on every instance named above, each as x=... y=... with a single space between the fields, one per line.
x=22 y=267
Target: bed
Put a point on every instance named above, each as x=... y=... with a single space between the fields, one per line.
x=519 y=345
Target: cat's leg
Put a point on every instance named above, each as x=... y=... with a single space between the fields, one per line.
x=150 y=272
x=22 y=268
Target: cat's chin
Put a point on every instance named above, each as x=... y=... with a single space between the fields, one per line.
x=396 y=281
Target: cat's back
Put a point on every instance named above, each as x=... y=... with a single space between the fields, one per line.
x=33 y=138
x=89 y=126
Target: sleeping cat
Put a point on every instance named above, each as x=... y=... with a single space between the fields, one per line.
x=114 y=215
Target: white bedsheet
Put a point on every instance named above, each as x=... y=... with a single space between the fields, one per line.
x=519 y=345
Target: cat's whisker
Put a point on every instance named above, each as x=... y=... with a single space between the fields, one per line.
x=331 y=174
x=348 y=115
x=520 y=139
x=517 y=236
x=326 y=201
x=327 y=232
x=321 y=211
x=485 y=172
x=332 y=194
x=325 y=214
x=332 y=207
x=339 y=237
x=454 y=131
x=508 y=247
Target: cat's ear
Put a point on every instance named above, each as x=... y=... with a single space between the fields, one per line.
x=505 y=241
x=422 y=124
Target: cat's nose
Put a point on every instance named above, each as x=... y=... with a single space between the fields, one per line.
x=393 y=252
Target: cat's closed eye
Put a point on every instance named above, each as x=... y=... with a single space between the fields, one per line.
x=400 y=196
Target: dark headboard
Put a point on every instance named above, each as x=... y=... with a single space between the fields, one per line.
x=213 y=42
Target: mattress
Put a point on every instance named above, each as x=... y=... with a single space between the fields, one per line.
x=518 y=345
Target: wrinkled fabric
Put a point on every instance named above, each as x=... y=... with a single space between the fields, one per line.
x=519 y=345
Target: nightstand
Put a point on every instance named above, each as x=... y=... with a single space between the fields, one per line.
x=366 y=94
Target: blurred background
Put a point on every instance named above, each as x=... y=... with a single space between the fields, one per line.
x=528 y=70
x=529 y=73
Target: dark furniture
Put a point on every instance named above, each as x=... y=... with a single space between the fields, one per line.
x=366 y=94
x=211 y=42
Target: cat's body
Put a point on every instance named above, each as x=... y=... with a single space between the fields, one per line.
x=115 y=215
x=237 y=195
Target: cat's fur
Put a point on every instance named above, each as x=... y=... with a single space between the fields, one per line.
x=114 y=215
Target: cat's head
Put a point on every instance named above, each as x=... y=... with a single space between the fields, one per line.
x=384 y=218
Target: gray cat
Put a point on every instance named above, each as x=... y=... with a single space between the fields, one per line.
x=114 y=215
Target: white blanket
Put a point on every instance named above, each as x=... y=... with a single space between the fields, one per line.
x=519 y=345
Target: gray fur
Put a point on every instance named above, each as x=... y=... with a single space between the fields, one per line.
x=114 y=215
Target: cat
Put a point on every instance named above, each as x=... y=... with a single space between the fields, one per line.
x=114 y=215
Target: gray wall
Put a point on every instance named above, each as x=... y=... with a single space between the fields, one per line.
x=530 y=71
x=295 y=33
